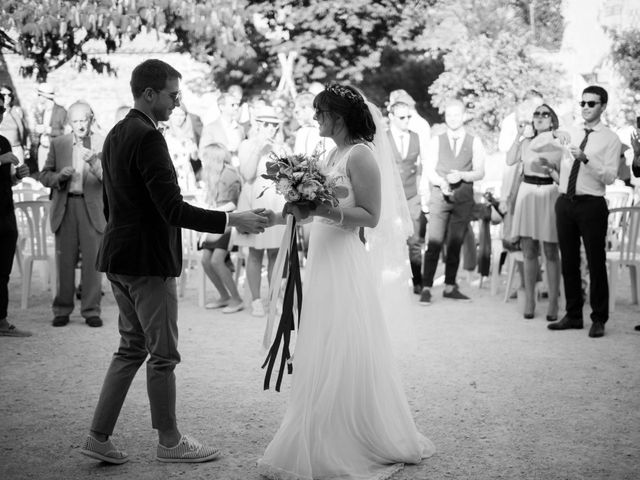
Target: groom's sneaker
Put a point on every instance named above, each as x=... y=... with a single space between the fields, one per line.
x=105 y=451
x=188 y=450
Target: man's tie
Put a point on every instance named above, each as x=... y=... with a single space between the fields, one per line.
x=573 y=176
x=455 y=145
x=402 y=145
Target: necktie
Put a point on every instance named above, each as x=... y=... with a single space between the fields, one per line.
x=402 y=145
x=573 y=176
x=455 y=145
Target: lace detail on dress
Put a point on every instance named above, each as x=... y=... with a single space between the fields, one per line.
x=273 y=473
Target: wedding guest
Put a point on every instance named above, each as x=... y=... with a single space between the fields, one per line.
x=74 y=173
x=534 y=219
x=49 y=122
x=453 y=161
x=258 y=192
x=635 y=161
x=11 y=172
x=225 y=129
x=14 y=125
x=582 y=213
x=416 y=123
x=408 y=156
x=222 y=182
x=141 y=252
x=182 y=141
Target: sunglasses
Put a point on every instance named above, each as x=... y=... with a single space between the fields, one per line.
x=543 y=114
x=404 y=117
x=270 y=124
x=590 y=103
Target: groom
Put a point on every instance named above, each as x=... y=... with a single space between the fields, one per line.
x=141 y=252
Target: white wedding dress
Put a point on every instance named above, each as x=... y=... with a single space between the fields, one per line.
x=348 y=417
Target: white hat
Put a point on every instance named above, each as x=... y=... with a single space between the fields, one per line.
x=46 y=90
x=268 y=114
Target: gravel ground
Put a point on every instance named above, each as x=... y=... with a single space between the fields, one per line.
x=501 y=397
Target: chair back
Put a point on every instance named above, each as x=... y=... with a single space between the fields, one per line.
x=627 y=223
x=618 y=196
x=33 y=226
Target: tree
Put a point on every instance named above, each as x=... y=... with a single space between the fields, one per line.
x=545 y=19
x=50 y=33
x=490 y=64
x=626 y=56
x=334 y=40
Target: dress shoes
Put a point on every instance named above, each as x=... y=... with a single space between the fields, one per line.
x=596 y=330
x=94 y=321
x=425 y=297
x=60 y=320
x=417 y=289
x=566 y=323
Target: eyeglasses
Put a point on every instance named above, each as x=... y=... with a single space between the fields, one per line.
x=6 y=94
x=175 y=96
x=543 y=114
x=590 y=103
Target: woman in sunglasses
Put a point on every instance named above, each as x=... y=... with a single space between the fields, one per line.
x=14 y=125
x=534 y=219
x=258 y=192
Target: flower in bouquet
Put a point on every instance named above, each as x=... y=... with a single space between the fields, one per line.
x=299 y=178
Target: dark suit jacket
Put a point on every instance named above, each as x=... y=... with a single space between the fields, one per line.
x=60 y=156
x=143 y=204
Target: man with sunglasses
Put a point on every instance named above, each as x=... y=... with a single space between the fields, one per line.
x=582 y=213
x=407 y=149
x=141 y=252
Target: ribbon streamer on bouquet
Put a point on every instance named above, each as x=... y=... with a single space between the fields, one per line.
x=291 y=304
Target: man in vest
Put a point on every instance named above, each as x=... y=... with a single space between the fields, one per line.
x=453 y=161
x=407 y=149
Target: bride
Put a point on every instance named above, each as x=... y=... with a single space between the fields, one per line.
x=348 y=417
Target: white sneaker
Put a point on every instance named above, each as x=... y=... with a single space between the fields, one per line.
x=257 y=309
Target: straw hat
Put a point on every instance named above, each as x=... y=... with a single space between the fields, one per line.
x=268 y=114
x=46 y=90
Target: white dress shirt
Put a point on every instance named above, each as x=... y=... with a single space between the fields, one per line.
x=432 y=155
x=603 y=154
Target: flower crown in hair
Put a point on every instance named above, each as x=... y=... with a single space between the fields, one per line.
x=344 y=92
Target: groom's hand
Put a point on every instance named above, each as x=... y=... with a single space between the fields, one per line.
x=250 y=221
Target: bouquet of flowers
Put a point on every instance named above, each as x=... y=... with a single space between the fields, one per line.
x=300 y=180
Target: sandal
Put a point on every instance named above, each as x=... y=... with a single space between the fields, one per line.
x=12 y=331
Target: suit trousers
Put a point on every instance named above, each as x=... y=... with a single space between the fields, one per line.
x=416 y=241
x=585 y=217
x=77 y=235
x=448 y=223
x=148 y=324
x=8 y=238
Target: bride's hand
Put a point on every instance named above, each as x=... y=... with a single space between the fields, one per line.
x=300 y=211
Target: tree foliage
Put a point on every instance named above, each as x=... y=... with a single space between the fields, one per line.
x=50 y=33
x=490 y=68
x=626 y=56
x=546 y=18
x=335 y=40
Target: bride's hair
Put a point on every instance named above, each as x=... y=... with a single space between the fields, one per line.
x=347 y=102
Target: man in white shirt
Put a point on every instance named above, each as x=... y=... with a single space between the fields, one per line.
x=582 y=213
x=225 y=129
x=407 y=150
x=453 y=161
